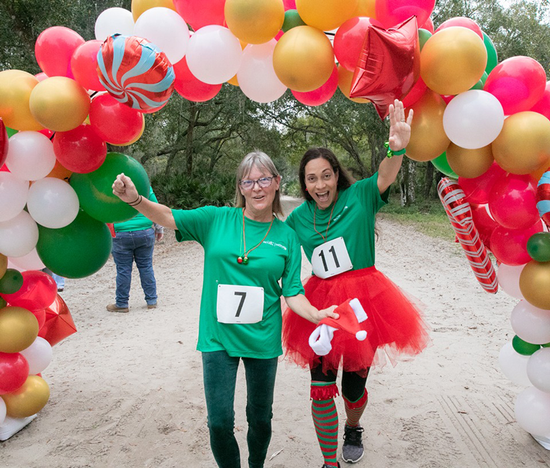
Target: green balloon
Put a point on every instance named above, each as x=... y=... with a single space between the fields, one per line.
x=481 y=83
x=442 y=165
x=524 y=348
x=77 y=250
x=547 y=345
x=11 y=282
x=538 y=246
x=3 y=303
x=423 y=36
x=11 y=132
x=492 y=57
x=95 y=191
x=292 y=19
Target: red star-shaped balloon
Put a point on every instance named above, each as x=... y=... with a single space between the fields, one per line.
x=388 y=66
x=3 y=143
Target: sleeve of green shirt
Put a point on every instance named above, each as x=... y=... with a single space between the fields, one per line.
x=194 y=224
x=370 y=196
x=291 y=281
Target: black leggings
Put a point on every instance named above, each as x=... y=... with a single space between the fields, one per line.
x=353 y=385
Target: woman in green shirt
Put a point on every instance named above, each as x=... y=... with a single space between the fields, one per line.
x=251 y=259
x=335 y=226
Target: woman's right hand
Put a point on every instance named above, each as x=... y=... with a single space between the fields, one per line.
x=124 y=188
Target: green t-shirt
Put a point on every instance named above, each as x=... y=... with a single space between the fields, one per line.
x=274 y=265
x=138 y=222
x=353 y=219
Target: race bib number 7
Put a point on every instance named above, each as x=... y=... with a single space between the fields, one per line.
x=331 y=259
x=240 y=304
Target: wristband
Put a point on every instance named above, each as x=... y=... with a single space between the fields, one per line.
x=136 y=202
x=390 y=153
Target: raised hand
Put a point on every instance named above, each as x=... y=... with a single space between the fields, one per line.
x=400 y=127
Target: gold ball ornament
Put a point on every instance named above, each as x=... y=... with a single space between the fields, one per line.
x=469 y=163
x=254 y=21
x=534 y=283
x=15 y=90
x=59 y=103
x=303 y=59
x=18 y=329
x=366 y=8
x=326 y=15
x=140 y=6
x=453 y=60
x=345 y=77
x=428 y=137
x=28 y=399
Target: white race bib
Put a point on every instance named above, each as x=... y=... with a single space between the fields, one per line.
x=331 y=259
x=240 y=304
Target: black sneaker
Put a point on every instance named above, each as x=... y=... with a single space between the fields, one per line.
x=352 y=450
x=326 y=466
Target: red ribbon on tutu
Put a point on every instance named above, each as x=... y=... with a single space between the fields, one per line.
x=460 y=215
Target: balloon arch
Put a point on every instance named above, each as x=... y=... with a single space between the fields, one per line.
x=483 y=123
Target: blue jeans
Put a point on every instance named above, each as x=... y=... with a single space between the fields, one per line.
x=220 y=376
x=138 y=246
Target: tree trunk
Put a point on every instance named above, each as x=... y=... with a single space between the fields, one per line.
x=190 y=128
x=408 y=171
x=429 y=180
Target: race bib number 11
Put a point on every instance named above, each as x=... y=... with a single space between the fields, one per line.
x=331 y=259
x=240 y=304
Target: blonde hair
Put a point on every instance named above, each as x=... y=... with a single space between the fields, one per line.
x=261 y=161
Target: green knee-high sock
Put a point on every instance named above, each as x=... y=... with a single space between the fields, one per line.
x=325 y=419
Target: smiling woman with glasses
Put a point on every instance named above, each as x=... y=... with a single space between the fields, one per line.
x=251 y=259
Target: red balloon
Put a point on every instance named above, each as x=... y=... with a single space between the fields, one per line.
x=59 y=323
x=46 y=132
x=484 y=223
x=428 y=25
x=4 y=142
x=199 y=14
x=40 y=315
x=348 y=40
x=37 y=292
x=477 y=189
x=320 y=95
x=462 y=22
x=389 y=65
x=510 y=245
x=543 y=104
x=80 y=150
x=415 y=93
x=14 y=370
x=84 y=65
x=392 y=12
x=114 y=122
x=518 y=83
x=41 y=76
x=289 y=4
x=190 y=87
x=54 y=48
x=512 y=201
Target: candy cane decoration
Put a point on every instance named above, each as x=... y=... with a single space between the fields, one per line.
x=460 y=215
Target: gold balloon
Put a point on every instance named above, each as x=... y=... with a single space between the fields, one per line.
x=28 y=399
x=453 y=60
x=59 y=103
x=428 y=137
x=234 y=81
x=326 y=15
x=523 y=145
x=345 y=78
x=254 y=21
x=534 y=283
x=139 y=6
x=3 y=265
x=469 y=163
x=303 y=59
x=15 y=90
x=18 y=329
x=366 y=8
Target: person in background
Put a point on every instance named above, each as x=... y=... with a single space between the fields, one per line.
x=134 y=241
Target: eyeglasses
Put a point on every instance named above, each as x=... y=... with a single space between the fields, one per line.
x=263 y=182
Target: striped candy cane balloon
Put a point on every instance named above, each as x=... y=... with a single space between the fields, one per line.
x=135 y=72
x=460 y=215
x=543 y=197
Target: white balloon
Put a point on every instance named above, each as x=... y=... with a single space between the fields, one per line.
x=214 y=54
x=530 y=323
x=52 y=203
x=18 y=236
x=31 y=261
x=256 y=76
x=166 y=29
x=514 y=365
x=508 y=279
x=30 y=155
x=39 y=355
x=13 y=195
x=3 y=411
x=532 y=411
x=538 y=369
x=112 y=21
x=473 y=119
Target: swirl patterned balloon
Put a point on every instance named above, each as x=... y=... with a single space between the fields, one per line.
x=543 y=197
x=135 y=72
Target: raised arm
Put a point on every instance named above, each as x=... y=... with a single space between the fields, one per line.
x=124 y=188
x=400 y=134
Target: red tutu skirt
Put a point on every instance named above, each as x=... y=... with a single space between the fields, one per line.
x=395 y=326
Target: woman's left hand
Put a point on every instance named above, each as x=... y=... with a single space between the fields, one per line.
x=400 y=128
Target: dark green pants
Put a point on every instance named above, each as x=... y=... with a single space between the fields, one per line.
x=220 y=376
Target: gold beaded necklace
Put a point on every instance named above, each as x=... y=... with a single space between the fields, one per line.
x=244 y=259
